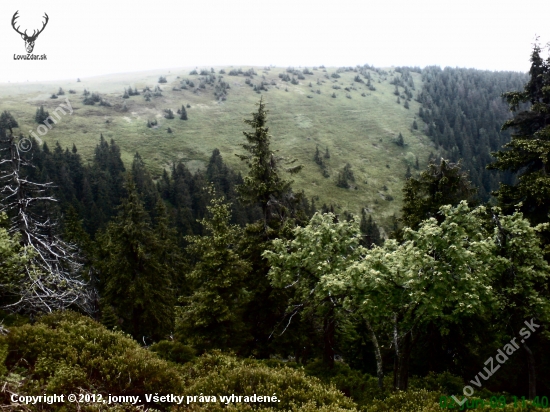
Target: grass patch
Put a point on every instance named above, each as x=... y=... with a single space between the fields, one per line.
x=360 y=131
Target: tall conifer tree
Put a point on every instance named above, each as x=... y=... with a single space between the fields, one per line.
x=369 y=230
x=136 y=280
x=440 y=184
x=212 y=317
x=529 y=151
x=264 y=185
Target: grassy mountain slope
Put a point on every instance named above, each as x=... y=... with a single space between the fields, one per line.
x=360 y=130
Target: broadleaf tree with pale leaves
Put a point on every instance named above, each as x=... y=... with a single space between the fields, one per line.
x=310 y=264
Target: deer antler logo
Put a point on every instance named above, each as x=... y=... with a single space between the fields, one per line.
x=29 y=40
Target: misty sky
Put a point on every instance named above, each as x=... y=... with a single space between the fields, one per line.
x=87 y=38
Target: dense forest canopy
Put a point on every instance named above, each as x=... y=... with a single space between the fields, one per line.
x=464 y=112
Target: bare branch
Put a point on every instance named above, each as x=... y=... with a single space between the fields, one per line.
x=53 y=277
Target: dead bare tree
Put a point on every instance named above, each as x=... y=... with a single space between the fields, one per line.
x=53 y=279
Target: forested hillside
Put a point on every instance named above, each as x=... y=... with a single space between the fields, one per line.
x=127 y=270
x=463 y=112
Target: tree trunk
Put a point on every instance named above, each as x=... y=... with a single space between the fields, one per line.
x=403 y=382
x=328 y=335
x=397 y=358
x=403 y=346
x=377 y=355
x=531 y=371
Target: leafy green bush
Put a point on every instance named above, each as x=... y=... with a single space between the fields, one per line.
x=443 y=382
x=218 y=374
x=409 y=401
x=362 y=388
x=63 y=352
x=427 y=401
x=173 y=351
x=69 y=353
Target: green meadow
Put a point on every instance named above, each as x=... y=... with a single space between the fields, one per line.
x=359 y=126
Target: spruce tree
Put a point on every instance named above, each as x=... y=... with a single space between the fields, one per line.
x=527 y=154
x=7 y=122
x=349 y=173
x=317 y=157
x=169 y=253
x=179 y=194
x=136 y=280
x=144 y=183
x=400 y=141
x=106 y=180
x=369 y=231
x=74 y=232
x=169 y=114
x=345 y=177
x=442 y=184
x=109 y=318
x=341 y=181
x=264 y=185
x=183 y=114
x=41 y=115
x=212 y=316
